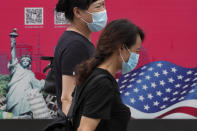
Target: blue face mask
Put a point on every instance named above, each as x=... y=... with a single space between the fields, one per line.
x=131 y=64
x=99 y=21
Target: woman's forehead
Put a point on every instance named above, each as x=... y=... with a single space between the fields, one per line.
x=98 y=2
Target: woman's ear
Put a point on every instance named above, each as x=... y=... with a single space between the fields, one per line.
x=76 y=12
x=120 y=48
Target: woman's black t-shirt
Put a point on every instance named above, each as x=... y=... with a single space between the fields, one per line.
x=103 y=101
x=72 y=49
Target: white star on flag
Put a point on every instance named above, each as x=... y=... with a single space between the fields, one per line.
x=141 y=74
x=150 y=69
x=180 y=77
x=171 y=80
x=159 y=65
x=145 y=87
x=162 y=83
x=189 y=72
x=141 y=98
x=175 y=93
x=159 y=93
x=139 y=81
x=174 y=69
x=132 y=100
x=177 y=85
x=156 y=103
x=146 y=107
x=136 y=90
x=188 y=79
x=148 y=77
x=165 y=72
x=150 y=96
x=156 y=74
x=153 y=85
x=144 y=67
x=127 y=94
x=168 y=90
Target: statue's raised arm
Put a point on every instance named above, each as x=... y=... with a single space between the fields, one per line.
x=14 y=60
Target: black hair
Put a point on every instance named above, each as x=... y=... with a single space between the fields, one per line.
x=66 y=6
x=115 y=34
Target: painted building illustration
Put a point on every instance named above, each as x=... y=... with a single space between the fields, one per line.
x=3 y=63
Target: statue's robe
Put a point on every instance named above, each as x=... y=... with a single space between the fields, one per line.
x=22 y=81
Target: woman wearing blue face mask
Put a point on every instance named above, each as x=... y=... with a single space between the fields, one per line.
x=75 y=46
x=102 y=108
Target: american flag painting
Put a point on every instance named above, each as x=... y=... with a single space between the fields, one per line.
x=160 y=90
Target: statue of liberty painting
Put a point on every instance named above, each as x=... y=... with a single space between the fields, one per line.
x=22 y=80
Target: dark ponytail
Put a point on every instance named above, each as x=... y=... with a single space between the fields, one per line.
x=117 y=32
x=85 y=69
x=66 y=6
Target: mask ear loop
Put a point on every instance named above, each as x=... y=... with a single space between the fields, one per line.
x=89 y=13
x=127 y=49
x=122 y=57
x=84 y=20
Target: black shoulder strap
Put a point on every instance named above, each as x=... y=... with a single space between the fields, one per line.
x=89 y=82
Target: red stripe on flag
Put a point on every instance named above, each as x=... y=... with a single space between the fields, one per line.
x=187 y=110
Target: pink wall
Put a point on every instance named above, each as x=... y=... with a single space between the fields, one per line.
x=170 y=26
